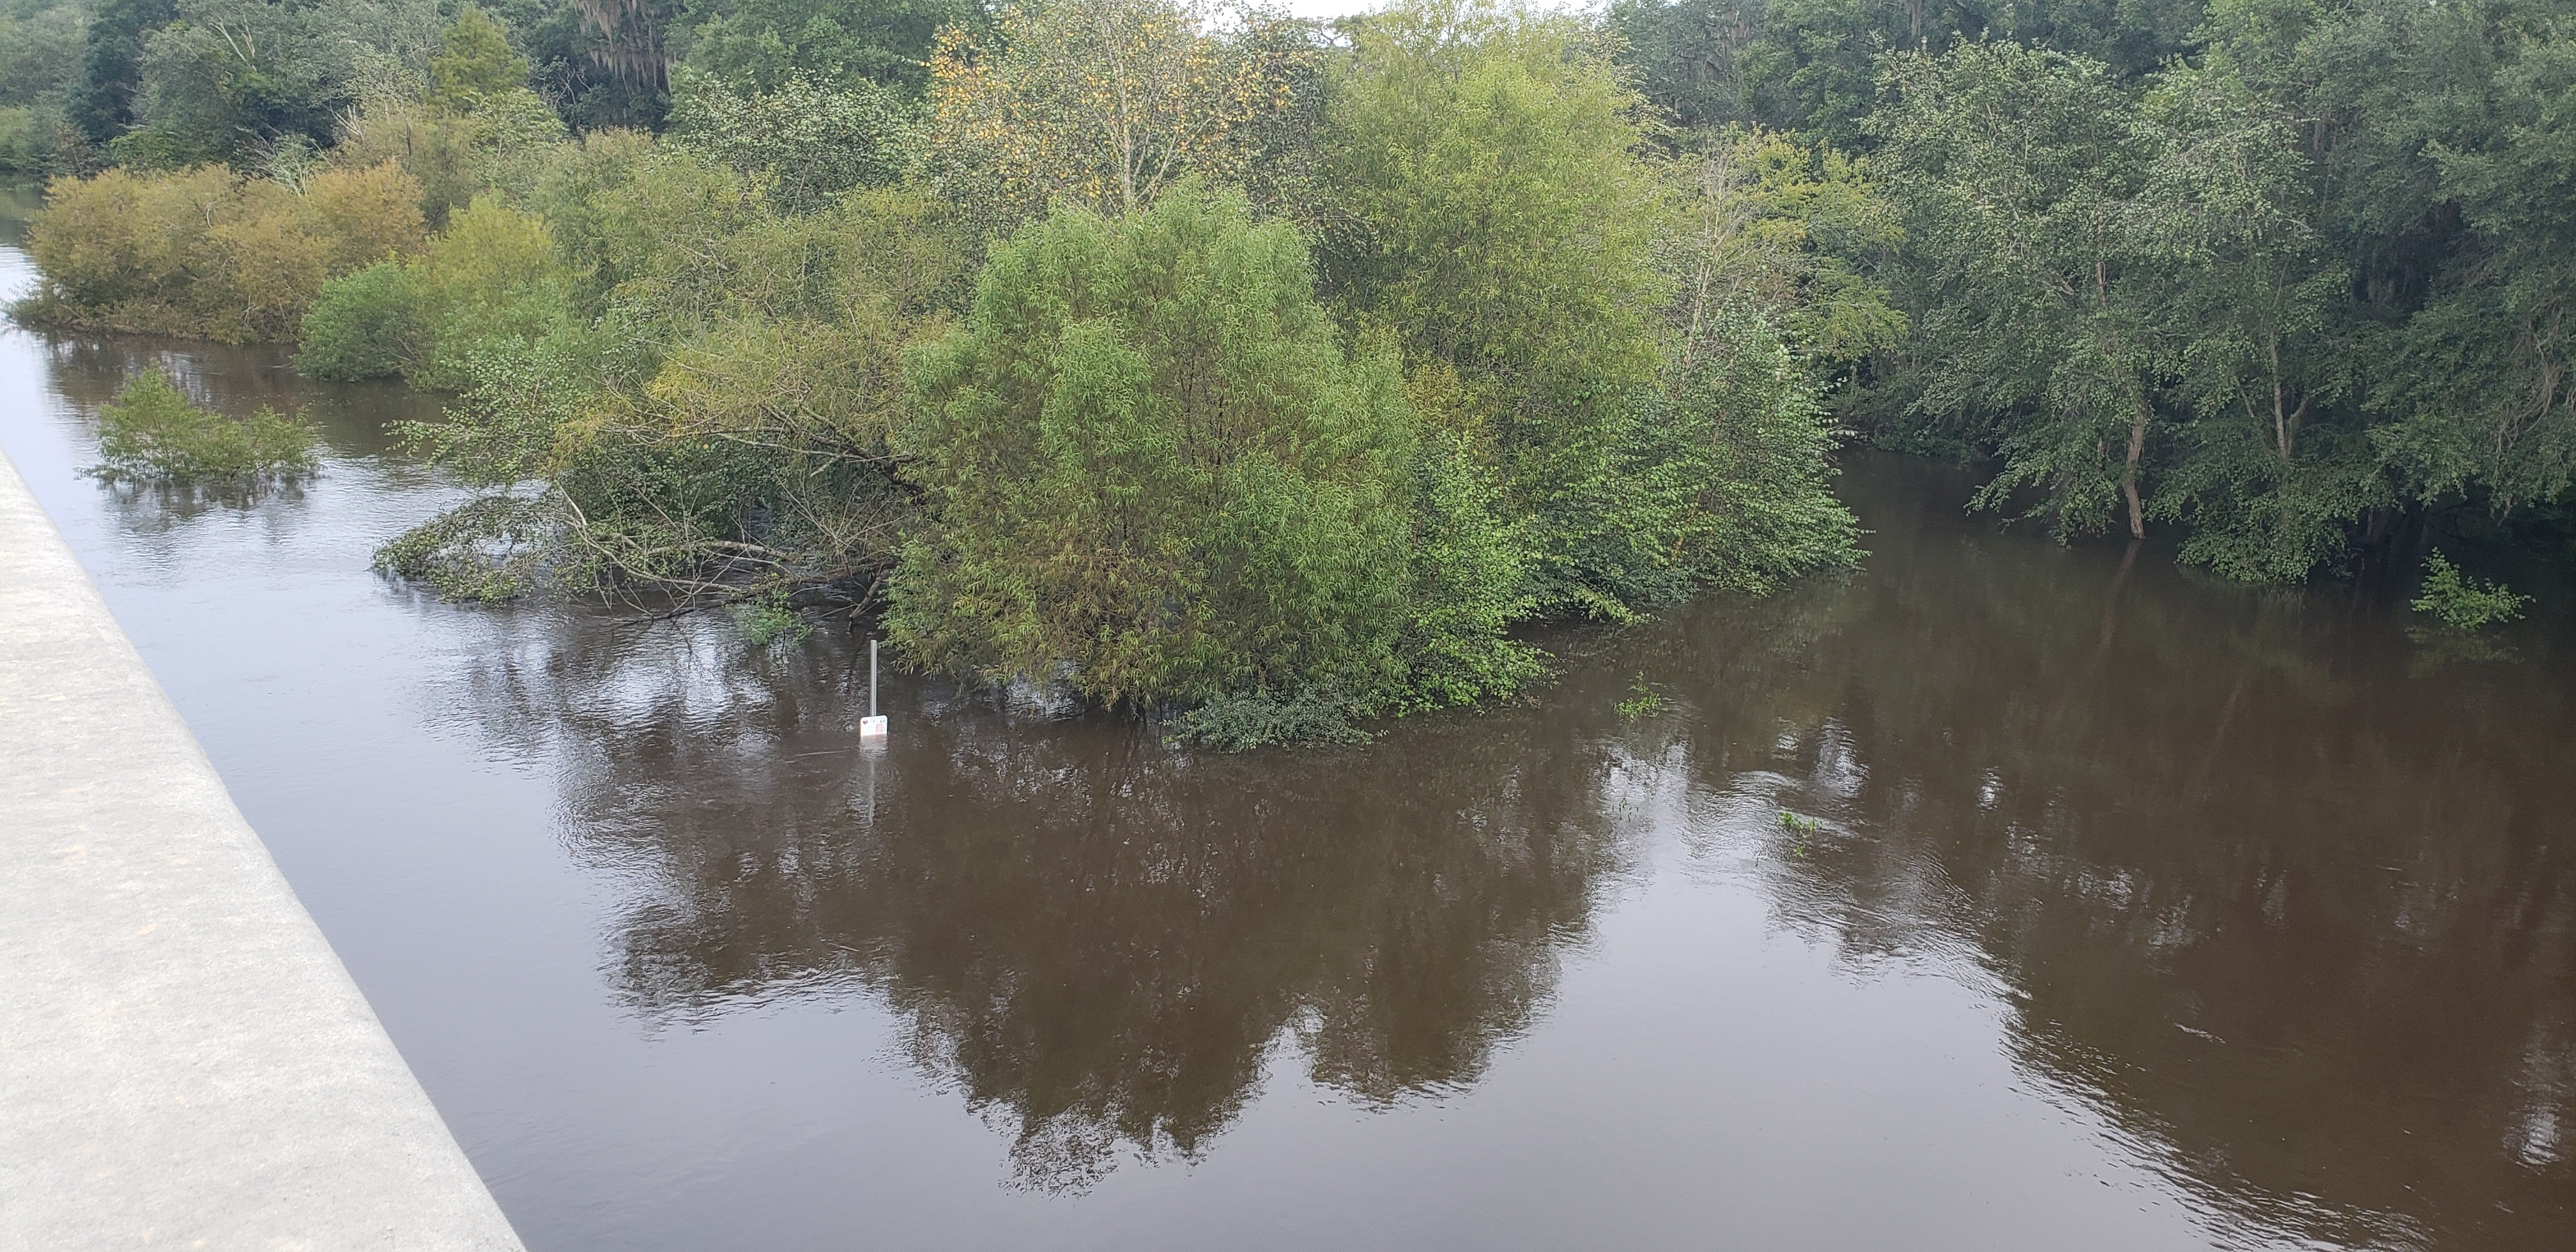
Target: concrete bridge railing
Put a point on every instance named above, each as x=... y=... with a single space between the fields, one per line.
x=183 y=1060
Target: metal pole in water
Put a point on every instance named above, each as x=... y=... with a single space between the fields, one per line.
x=872 y=726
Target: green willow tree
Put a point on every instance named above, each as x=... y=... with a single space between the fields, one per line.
x=1152 y=473
x=1489 y=205
x=2038 y=294
x=2259 y=468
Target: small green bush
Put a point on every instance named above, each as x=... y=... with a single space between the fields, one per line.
x=364 y=325
x=765 y=622
x=151 y=433
x=1644 y=701
x=2464 y=603
x=1239 y=723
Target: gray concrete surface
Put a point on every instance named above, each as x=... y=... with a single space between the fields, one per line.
x=184 y=1062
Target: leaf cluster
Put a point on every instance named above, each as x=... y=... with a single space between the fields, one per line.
x=152 y=433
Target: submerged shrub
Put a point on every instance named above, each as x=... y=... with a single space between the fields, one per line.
x=2464 y=603
x=769 y=620
x=1261 y=719
x=495 y=548
x=151 y=433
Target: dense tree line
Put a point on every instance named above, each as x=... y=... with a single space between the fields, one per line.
x=1210 y=362
x=2290 y=275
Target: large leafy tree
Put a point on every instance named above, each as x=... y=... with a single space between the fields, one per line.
x=763 y=45
x=1105 y=104
x=1153 y=473
x=2267 y=467
x=1812 y=64
x=102 y=103
x=2470 y=210
x=2039 y=293
x=251 y=81
x=1488 y=204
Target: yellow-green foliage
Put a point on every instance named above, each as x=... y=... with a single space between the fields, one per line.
x=1484 y=165
x=207 y=253
x=2464 y=603
x=1098 y=103
x=151 y=434
x=779 y=359
x=1771 y=222
x=491 y=274
x=728 y=414
x=476 y=62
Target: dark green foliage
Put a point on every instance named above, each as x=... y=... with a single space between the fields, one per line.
x=363 y=325
x=1308 y=716
x=590 y=73
x=151 y=433
x=1811 y=65
x=2278 y=292
x=258 y=83
x=102 y=105
x=758 y=46
x=807 y=142
x=1152 y=474
x=2464 y=603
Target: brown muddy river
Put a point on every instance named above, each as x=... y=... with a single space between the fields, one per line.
x=2138 y=911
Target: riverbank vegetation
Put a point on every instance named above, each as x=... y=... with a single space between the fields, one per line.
x=2290 y=277
x=1179 y=360
x=1215 y=359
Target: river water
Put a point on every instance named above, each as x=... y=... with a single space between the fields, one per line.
x=2137 y=910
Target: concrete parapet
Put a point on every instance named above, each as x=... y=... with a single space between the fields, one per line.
x=183 y=1060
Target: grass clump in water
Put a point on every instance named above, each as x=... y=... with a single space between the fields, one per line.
x=1644 y=701
x=151 y=434
x=2464 y=603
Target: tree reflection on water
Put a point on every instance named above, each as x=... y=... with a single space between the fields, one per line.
x=2267 y=889
x=1097 y=940
x=2284 y=904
